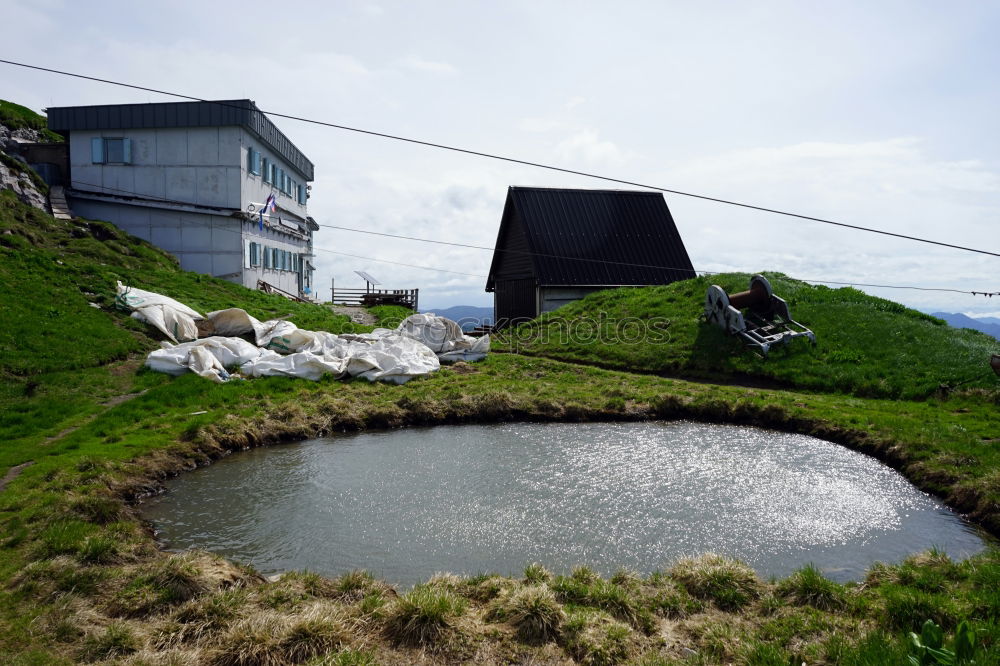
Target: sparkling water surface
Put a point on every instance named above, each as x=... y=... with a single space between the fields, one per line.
x=406 y=504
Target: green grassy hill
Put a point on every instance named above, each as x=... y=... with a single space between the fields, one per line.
x=61 y=331
x=866 y=346
x=15 y=116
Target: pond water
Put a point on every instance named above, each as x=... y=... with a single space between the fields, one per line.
x=405 y=504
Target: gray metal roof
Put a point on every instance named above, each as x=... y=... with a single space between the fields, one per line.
x=592 y=237
x=240 y=112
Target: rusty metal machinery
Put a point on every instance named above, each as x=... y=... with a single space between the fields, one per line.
x=759 y=317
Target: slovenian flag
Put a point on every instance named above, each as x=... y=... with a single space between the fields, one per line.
x=268 y=207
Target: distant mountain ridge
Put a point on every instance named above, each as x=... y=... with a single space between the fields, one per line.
x=988 y=325
x=469 y=316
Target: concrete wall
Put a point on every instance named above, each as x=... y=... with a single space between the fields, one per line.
x=209 y=244
x=198 y=165
x=552 y=298
x=253 y=187
x=268 y=238
x=201 y=166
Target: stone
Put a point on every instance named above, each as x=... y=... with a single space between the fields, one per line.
x=23 y=187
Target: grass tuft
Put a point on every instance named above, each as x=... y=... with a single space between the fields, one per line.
x=422 y=615
x=313 y=634
x=117 y=640
x=535 y=612
x=808 y=587
x=535 y=574
x=729 y=584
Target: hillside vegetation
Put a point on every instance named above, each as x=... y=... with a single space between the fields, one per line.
x=14 y=116
x=866 y=346
x=86 y=432
x=61 y=329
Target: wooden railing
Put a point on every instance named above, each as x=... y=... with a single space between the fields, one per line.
x=406 y=297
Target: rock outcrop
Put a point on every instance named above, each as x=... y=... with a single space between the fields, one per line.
x=15 y=174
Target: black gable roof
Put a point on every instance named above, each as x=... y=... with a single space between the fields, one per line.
x=592 y=237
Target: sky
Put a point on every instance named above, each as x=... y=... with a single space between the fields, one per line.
x=873 y=114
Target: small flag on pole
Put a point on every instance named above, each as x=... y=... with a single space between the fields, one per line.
x=268 y=207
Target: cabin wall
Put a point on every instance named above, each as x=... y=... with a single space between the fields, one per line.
x=552 y=298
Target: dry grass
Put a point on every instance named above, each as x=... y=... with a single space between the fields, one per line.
x=535 y=612
x=729 y=584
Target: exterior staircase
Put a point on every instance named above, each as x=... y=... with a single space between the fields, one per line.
x=57 y=201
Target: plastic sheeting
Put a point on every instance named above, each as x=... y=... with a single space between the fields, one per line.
x=445 y=338
x=393 y=358
x=176 y=320
x=417 y=347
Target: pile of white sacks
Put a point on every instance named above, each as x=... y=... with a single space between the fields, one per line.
x=417 y=347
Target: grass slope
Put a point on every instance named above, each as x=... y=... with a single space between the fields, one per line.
x=81 y=579
x=15 y=116
x=866 y=346
x=61 y=355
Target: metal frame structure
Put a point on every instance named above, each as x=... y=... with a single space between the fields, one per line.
x=760 y=318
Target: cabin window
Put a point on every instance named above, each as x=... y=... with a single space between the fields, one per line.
x=255 y=254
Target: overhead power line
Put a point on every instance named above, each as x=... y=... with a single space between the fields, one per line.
x=513 y=160
x=131 y=193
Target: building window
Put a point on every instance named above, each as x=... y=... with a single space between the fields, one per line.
x=266 y=170
x=274 y=175
x=301 y=194
x=255 y=254
x=111 y=150
x=267 y=257
x=253 y=161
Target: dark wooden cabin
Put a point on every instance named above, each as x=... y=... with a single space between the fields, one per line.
x=556 y=246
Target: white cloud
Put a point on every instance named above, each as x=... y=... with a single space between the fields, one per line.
x=574 y=102
x=586 y=146
x=541 y=125
x=418 y=64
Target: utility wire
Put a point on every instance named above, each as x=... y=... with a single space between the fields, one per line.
x=527 y=252
x=513 y=160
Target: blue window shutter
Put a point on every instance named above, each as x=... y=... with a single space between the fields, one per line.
x=266 y=175
x=250 y=160
x=127 y=151
x=97 y=150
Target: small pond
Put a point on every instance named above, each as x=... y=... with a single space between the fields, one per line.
x=405 y=504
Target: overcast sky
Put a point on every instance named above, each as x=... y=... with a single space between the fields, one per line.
x=876 y=114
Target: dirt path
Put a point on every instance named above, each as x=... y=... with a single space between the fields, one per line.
x=113 y=402
x=358 y=314
x=12 y=474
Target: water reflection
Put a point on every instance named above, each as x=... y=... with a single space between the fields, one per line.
x=408 y=503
